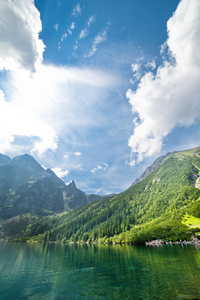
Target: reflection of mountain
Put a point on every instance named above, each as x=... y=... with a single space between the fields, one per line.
x=25 y=187
x=52 y=271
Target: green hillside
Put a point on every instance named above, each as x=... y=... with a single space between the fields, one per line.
x=163 y=205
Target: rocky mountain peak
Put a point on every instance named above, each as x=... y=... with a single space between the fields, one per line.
x=72 y=184
x=27 y=187
x=25 y=159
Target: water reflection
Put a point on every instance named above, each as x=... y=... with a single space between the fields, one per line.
x=58 y=271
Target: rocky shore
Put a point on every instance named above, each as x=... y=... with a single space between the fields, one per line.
x=194 y=241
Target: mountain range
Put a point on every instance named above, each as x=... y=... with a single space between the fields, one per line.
x=163 y=203
x=26 y=187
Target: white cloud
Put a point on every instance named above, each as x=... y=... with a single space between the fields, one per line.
x=77 y=153
x=68 y=183
x=21 y=49
x=63 y=37
x=69 y=31
x=16 y=119
x=56 y=27
x=33 y=103
x=77 y=10
x=99 y=168
x=91 y=20
x=171 y=97
x=100 y=38
x=84 y=32
x=136 y=67
x=151 y=65
x=65 y=34
x=20 y=46
x=60 y=173
x=72 y=26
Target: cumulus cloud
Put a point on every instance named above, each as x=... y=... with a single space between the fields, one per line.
x=171 y=97
x=20 y=45
x=31 y=104
x=151 y=65
x=60 y=173
x=99 y=38
x=77 y=153
x=136 y=69
x=99 y=168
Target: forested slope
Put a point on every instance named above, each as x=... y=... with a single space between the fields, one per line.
x=154 y=207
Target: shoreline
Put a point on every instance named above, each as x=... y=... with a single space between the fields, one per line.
x=158 y=242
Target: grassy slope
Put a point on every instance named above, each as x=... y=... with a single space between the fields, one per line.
x=156 y=207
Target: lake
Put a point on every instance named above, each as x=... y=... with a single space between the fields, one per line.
x=82 y=271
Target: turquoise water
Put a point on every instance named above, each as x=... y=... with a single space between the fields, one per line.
x=57 y=271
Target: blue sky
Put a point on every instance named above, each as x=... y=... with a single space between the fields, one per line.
x=97 y=90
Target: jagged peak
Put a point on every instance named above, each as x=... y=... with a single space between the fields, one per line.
x=71 y=183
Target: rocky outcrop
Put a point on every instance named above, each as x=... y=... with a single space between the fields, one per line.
x=197 y=183
x=152 y=168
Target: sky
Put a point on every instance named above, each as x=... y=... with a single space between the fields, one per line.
x=97 y=90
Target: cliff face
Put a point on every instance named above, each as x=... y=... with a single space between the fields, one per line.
x=75 y=198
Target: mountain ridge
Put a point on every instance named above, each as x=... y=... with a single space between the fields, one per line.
x=153 y=166
x=25 y=186
x=152 y=208
x=161 y=205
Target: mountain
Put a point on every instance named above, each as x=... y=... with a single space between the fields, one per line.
x=165 y=204
x=76 y=198
x=154 y=166
x=4 y=159
x=26 y=187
